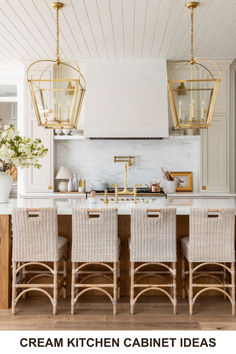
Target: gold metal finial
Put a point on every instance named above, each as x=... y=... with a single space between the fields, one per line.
x=57 y=5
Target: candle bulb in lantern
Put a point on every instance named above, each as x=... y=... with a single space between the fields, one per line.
x=180 y=110
x=202 y=117
x=191 y=113
x=59 y=112
x=68 y=112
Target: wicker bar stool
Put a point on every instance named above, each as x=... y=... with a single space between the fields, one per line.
x=153 y=243
x=36 y=243
x=210 y=242
x=95 y=242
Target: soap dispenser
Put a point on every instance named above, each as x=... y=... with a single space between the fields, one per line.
x=70 y=185
x=75 y=182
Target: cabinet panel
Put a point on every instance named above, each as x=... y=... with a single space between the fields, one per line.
x=221 y=100
x=214 y=156
x=40 y=180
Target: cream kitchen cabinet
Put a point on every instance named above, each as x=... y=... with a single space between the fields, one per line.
x=214 y=156
x=217 y=159
x=40 y=180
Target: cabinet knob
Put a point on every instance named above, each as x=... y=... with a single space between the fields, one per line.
x=49 y=188
x=204 y=188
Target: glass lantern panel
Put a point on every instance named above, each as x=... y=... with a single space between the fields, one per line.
x=192 y=100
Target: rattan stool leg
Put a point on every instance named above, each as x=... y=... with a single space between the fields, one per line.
x=190 y=296
x=64 y=285
x=132 y=288
x=224 y=279
x=23 y=280
x=13 y=288
x=233 y=287
x=73 y=288
x=118 y=280
x=183 y=276
x=174 y=288
x=115 y=271
x=55 y=286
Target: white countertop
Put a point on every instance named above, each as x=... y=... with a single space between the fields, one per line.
x=200 y=195
x=64 y=206
x=52 y=195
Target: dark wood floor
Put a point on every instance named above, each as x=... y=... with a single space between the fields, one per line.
x=95 y=313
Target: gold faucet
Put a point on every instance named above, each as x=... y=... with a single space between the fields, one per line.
x=135 y=192
x=128 y=163
x=116 y=191
x=105 y=197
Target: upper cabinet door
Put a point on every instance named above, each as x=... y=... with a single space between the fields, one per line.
x=126 y=99
x=40 y=180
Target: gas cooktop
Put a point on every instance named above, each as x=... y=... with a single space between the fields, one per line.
x=140 y=192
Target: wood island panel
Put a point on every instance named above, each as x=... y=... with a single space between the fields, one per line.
x=5 y=261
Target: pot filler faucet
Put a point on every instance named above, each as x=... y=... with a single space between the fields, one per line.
x=129 y=161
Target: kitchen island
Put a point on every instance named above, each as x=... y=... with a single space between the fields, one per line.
x=64 y=209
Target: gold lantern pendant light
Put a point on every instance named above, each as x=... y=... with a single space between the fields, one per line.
x=57 y=88
x=192 y=88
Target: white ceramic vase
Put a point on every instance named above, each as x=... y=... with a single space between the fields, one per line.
x=5 y=187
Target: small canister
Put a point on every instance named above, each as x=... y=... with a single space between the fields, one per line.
x=154 y=188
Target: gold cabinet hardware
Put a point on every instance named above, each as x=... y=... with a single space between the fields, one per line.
x=105 y=197
x=204 y=188
x=49 y=188
x=116 y=191
x=135 y=192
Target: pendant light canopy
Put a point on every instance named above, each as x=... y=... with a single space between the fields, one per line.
x=192 y=88
x=57 y=89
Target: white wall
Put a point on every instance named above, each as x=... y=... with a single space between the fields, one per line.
x=93 y=159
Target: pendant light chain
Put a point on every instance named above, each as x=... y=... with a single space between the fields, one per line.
x=57 y=49
x=191 y=50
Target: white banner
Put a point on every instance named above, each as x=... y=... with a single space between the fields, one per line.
x=163 y=342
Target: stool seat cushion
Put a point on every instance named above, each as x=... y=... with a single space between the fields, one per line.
x=185 y=246
x=62 y=246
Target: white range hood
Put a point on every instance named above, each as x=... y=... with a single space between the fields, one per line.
x=126 y=99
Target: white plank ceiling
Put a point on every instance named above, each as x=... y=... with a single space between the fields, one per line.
x=116 y=29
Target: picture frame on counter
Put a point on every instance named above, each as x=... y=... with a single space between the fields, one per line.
x=184 y=181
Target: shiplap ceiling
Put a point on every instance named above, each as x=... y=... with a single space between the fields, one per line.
x=116 y=29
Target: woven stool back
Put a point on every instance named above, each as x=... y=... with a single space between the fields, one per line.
x=35 y=238
x=95 y=239
x=211 y=239
x=153 y=239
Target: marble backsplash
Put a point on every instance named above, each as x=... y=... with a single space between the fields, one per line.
x=93 y=159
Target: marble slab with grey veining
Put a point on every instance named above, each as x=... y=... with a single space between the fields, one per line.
x=93 y=159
